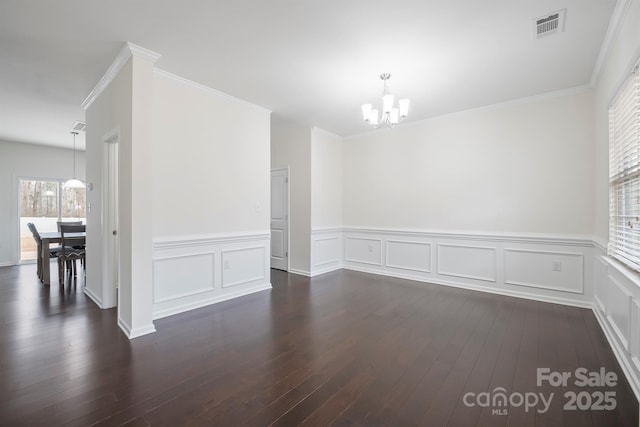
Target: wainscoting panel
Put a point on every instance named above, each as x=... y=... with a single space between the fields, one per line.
x=600 y=283
x=617 y=289
x=243 y=265
x=169 y=276
x=619 y=310
x=363 y=250
x=469 y=262
x=544 y=269
x=192 y=272
x=326 y=250
x=409 y=255
x=504 y=264
x=635 y=335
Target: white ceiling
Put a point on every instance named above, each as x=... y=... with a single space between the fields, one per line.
x=312 y=62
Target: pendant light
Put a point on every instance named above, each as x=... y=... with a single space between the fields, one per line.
x=73 y=182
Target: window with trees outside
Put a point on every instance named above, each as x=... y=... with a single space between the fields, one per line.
x=44 y=203
x=624 y=173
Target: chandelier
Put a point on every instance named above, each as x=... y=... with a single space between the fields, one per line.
x=391 y=115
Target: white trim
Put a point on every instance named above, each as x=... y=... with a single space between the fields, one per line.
x=478 y=288
x=206 y=89
x=93 y=297
x=326 y=230
x=300 y=272
x=632 y=276
x=7 y=264
x=411 y=242
x=540 y=239
x=205 y=302
x=468 y=276
x=616 y=328
x=137 y=332
x=243 y=281
x=215 y=247
x=331 y=261
x=326 y=132
x=619 y=353
x=535 y=285
x=326 y=270
x=156 y=260
x=208 y=239
x=128 y=50
x=615 y=23
x=346 y=238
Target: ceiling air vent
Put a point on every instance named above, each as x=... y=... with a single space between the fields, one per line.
x=79 y=126
x=550 y=24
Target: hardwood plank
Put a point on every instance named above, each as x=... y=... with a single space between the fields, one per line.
x=342 y=349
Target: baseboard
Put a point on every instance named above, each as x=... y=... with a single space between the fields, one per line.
x=136 y=332
x=320 y=271
x=619 y=352
x=486 y=289
x=205 y=302
x=6 y=264
x=93 y=297
x=300 y=272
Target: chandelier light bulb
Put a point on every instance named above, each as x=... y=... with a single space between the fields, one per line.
x=391 y=115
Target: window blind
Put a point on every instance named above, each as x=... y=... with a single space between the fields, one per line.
x=624 y=173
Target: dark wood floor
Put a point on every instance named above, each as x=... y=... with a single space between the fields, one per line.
x=345 y=348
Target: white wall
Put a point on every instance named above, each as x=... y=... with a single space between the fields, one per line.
x=210 y=195
x=291 y=147
x=110 y=111
x=326 y=179
x=326 y=201
x=522 y=167
x=123 y=105
x=210 y=162
x=19 y=160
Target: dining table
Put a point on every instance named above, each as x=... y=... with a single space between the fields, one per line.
x=47 y=239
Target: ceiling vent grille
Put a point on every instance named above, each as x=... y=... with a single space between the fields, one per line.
x=550 y=24
x=79 y=126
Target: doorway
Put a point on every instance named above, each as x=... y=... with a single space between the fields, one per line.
x=44 y=202
x=280 y=219
x=111 y=244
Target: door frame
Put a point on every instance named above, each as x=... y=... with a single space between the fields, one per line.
x=110 y=218
x=288 y=210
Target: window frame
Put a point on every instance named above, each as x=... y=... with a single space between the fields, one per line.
x=624 y=172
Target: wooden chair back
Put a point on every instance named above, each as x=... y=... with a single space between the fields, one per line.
x=34 y=231
x=72 y=246
x=60 y=223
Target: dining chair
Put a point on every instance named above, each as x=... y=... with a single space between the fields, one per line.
x=59 y=223
x=72 y=250
x=53 y=252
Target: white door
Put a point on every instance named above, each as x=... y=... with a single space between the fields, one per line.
x=280 y=219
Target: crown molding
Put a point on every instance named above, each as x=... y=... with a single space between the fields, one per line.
x=128 y=50
x=326 y=132
x=205 y=89
x=615 y=23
